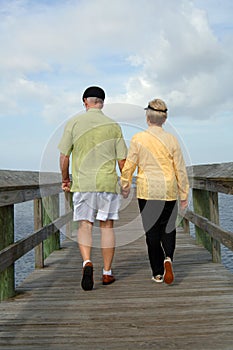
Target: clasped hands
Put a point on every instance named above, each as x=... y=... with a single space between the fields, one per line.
x=125 y=192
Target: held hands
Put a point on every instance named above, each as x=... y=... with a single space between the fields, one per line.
x=125 y=192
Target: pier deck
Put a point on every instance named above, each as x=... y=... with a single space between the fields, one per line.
x=51 y=311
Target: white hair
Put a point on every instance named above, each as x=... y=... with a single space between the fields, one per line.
x=95 y=101
x=156 y=117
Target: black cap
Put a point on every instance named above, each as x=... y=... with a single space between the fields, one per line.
x=94 y=91
x=157 y=110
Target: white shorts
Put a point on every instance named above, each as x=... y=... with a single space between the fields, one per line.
x=100 y=205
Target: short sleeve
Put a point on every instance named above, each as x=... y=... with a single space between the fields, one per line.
x=121 y=148
x=66 y=144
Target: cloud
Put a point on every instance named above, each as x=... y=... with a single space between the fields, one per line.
x=185 y=64
x=137 y=50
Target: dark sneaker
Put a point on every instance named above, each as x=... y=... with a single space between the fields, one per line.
x=87 y=282
x=168 y=276
x=108 y=279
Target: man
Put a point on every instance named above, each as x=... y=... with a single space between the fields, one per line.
x=96 y=144
x=161 y=181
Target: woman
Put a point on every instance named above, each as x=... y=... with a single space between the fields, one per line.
x=161 y=181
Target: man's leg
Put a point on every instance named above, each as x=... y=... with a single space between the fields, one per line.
x=108 y=249
x=107 y=243
x=85 y=239
x=85 y=242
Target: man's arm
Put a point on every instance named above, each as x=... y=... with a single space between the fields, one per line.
x=121 y=164
x=64 y=166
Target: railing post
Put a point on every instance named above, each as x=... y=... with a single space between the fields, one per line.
x=205 y=203
x=214 y=217
x=183 y=222
x=201 y=207
x=186 y=226
x=68 y=207
x=7 y=279
x=50 y=212
x=38 y=223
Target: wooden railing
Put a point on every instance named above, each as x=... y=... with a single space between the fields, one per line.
x=206 y=181
x=44 y=189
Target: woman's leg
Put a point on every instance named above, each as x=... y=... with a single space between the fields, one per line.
x=168 y=228
x=150 y=212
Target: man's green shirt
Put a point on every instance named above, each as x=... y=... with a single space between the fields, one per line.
x=96 y=143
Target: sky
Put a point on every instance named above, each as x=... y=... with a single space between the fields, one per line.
x=178 y=50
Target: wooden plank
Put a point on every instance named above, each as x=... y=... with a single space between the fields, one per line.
x=50 y=212
x=21 y=186
x=38 y=223
x=222 y=186
x=212 y=171
x=15 y=179
x=223 y=236
x=214 y=218
x=7 y=280
x=14 y=251
x=30 y=193
x=68 y=207
x=52 y=311
x=212 y=177
x=202 y=208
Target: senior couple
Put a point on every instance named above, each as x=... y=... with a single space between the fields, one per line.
x=96 y=144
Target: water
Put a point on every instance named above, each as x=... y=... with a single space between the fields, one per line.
x=225 y=203
x=24 y=225
x=226 y=222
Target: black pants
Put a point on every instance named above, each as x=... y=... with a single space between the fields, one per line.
x=159 y=222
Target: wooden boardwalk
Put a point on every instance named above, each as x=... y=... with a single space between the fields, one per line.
x=51 y=311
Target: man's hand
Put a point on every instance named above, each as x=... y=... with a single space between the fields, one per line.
x=66 y=185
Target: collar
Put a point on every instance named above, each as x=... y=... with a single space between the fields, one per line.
x=94 y=110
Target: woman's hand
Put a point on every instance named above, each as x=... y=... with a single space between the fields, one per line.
x=125 y=192
x=183 y=204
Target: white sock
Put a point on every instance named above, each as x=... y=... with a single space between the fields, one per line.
x=109 y=273
x=86 y=261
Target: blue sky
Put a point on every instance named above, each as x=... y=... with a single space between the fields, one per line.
x=180 y=51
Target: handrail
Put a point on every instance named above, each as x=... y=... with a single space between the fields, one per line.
x=16 y=250
x=21 y=186
x=206 y=181
x=43 y=189
x=224 y=237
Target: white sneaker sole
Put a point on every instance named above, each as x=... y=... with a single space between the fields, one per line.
x=157 y=280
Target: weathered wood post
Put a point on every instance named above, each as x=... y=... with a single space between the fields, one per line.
x=205 y=203
x=50 y=212
x=214 y=216
x=186 y=226
x=7 y=279
x=38 y=223
x=68 y=208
